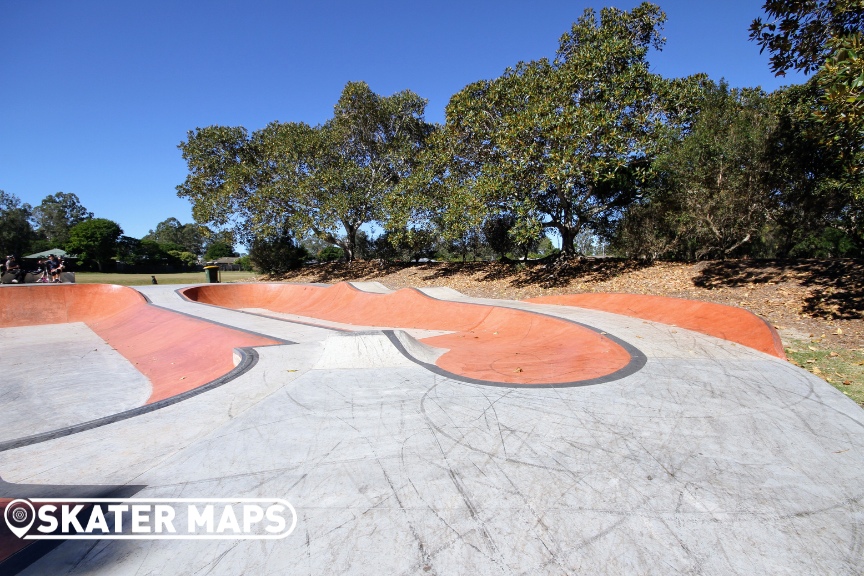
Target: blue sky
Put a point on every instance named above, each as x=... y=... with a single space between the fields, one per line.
x=96 y=95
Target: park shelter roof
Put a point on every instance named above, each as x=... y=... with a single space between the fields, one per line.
x=46 y=253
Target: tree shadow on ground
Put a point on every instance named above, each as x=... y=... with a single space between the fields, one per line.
x=334 y=272
x=837 y=286
x=442 y=270
x=560 y=273
x=543 y=273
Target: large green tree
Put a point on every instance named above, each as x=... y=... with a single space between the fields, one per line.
x=56 y=215
x=16 y=233
x=562 y=144
x=712 y=196
x=826 y=37
x=327 y=180
x=810 y=175
x=801 y=34
x=95 y=239
x=219 y=249
x=190 y=237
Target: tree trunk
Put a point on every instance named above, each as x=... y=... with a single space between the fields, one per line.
x=350 y=241
x=568 y=240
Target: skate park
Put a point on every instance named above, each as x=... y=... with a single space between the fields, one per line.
x=423 y=431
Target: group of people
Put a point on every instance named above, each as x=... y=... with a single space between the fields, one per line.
x=49 y=269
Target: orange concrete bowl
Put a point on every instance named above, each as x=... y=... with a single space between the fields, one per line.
x=486 y=344
x=177 y=353
x=718 y=320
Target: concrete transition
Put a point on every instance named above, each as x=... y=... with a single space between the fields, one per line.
x=427 y=432
x=727 y=322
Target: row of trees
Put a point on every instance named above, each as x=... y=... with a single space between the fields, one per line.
x=61 y=221
x=589 y=142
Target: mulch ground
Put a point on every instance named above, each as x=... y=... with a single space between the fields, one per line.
x=817 y=300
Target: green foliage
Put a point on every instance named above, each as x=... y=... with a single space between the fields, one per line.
x=276 y=255
x=823 y=36
x=841 y=82
x=545 y=247
x=331 y=254
x=57 y=215
x=245 y=263
x=188 y=237
x=468 y=245
x=221 y=168
x=710 y=197
x=496 y=234
x=183 y=258
x=562 y=144
x=831 y=243
x=323 y=180
x=809 y=173
x=128 y=249
x=313 y=244
x=800 y=33
x=95 y=239
x=219 y=249
x=16 y=233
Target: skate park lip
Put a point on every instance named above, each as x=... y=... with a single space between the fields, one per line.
x=718 y=320
x=180 y=355
x=486 y=344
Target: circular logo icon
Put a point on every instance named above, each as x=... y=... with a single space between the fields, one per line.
x=19 y=515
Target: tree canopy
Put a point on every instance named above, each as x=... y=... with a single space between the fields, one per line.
x=563 y=144
x=94 y=239
x=801 y=34
x=826 y=37
x=57 y=215
x=587 y=144
x=16 y=233
x=189 y=237
x=327 y=180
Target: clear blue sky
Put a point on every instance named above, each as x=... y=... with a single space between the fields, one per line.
x=95 y=95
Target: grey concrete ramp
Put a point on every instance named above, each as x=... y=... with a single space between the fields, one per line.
x=711 y=459
x=49 y=370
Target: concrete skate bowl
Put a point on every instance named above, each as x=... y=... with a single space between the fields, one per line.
x=485 y=344
x=718 y=320
x=178 y=354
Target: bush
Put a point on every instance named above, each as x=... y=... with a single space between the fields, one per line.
x=831 y=243
x=245 y=263
x=276 y=255
x=331 y=253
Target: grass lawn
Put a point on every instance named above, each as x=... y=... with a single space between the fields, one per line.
x=144 y=279
x=843 y=369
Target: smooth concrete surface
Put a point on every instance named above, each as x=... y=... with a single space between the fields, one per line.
x=713 y=458
x=47 y=370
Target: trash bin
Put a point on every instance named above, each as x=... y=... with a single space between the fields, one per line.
x=212 y=273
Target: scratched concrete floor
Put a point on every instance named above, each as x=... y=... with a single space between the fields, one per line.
x=712 y=459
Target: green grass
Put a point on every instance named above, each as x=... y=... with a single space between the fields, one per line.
x=843 y=369
x=144 y=279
